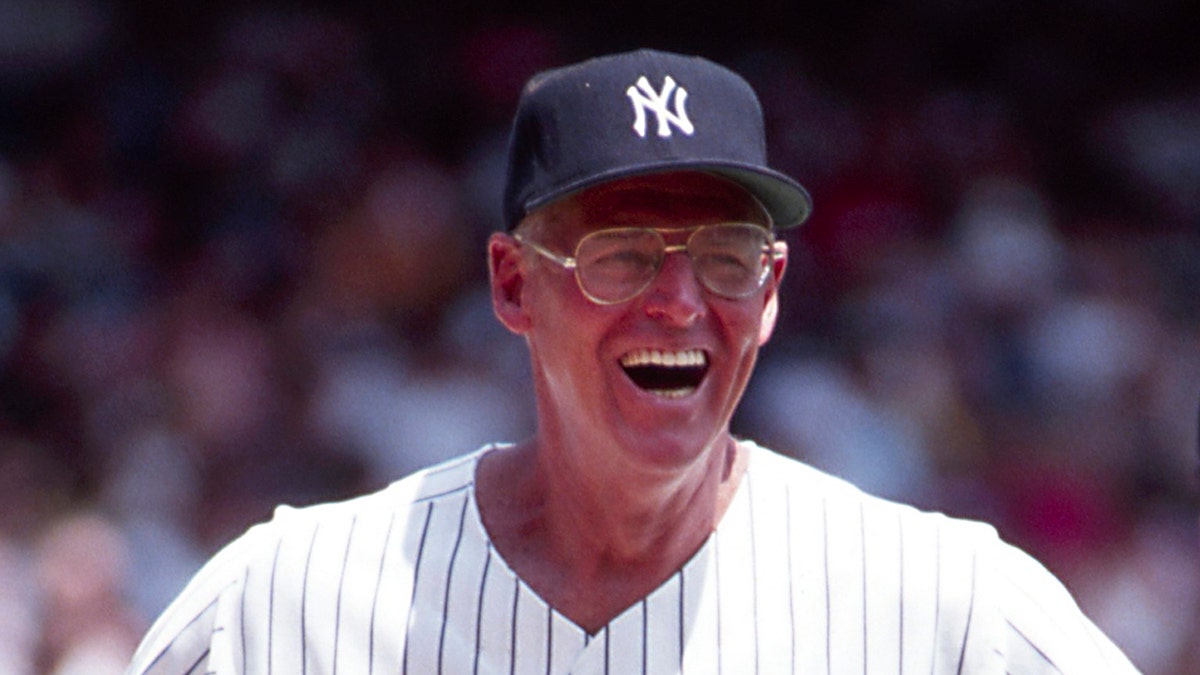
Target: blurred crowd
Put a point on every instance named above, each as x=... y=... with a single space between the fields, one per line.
x=241 y=264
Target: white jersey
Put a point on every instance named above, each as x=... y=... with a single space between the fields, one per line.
x=804 y=574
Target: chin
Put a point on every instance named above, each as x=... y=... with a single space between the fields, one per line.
x=671 y=450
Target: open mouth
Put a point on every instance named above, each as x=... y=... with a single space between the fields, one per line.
x=668 y=374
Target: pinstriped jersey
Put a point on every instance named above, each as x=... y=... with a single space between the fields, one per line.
x=804 y=574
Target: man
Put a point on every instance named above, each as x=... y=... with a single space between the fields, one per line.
x=632 y=533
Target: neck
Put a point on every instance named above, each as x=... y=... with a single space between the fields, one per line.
x=592 y=547
x=635 y=516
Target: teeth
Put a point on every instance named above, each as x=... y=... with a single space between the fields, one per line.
x=690 y=358
x=669 y=374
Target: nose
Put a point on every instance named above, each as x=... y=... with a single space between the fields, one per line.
x=675 y=295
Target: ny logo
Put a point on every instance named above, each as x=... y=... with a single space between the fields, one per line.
x=644 y=97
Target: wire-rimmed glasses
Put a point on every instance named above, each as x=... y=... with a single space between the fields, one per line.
x=611 y=266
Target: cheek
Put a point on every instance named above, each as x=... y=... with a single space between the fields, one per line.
x=563 y=334
x=744 y=330
x=553 y=294
x=745 y=326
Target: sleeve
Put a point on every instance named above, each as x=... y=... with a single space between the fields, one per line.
x=1038 y=627
x=193 y=635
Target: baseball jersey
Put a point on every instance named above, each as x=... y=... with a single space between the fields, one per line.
x=804 y=574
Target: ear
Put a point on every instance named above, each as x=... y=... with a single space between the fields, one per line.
x=506 y=274
x=771 y=308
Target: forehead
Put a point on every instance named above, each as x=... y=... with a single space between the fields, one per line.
x=677 y=199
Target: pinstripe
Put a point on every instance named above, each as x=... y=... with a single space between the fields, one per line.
x=862 y=533
x=828 y=590
x=512 y=652
x=717 y=574
x=199 y=661
x=185 y=628
x=645 y=637
x=900 y=556
x=962 y=657
x=416 y=580
x=304 y=602
x=937 y=588
x=1037 y=649
x=549 y=638
x=271 y=609
x=387 y=538
x=337 y=612
x=1033 y=600
x=787 y=533
x=682 y=617
x=487 y=563
x=1040 y=606
x=429 y=499
x=449 y=582
x=242 y=616
x=607 y=653
x=718 y=612
x=749 y=486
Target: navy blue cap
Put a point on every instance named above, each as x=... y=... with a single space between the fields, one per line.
x=637 y=113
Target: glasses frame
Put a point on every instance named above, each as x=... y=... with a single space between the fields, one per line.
x=570 y=263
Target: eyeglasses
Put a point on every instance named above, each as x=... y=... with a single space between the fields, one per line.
x=612 y=266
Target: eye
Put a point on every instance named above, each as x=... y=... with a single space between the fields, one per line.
x=728 y=254
x=626 y=256
x=728 y=264
x=618 y=251
x=730 y=258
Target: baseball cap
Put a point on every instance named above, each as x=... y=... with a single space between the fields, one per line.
x=637 y=113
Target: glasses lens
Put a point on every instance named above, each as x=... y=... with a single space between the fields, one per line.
x=615 y=265
x=731 y=259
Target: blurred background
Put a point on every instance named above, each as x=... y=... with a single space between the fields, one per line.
x=241 y=264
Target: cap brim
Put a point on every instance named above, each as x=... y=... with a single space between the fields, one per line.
x=787 y=202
